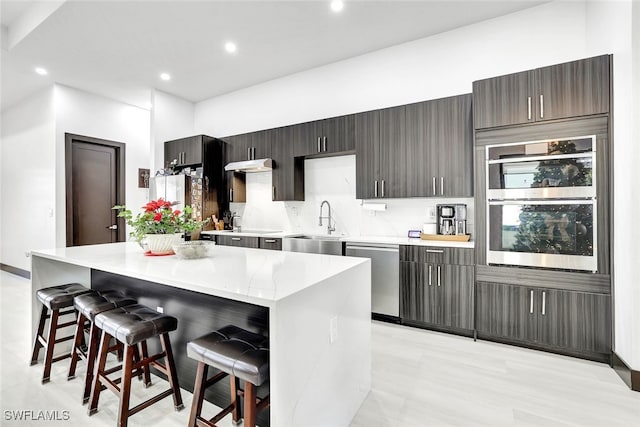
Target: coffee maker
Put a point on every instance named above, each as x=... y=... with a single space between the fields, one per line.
x=452 y=219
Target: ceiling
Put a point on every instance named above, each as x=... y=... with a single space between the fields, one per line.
x=119 y=48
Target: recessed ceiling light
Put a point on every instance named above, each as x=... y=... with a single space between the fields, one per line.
x=41 y=71
x=230 y=47
x=165 y=76
x=337 y=5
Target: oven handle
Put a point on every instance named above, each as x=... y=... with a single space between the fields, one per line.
x=524 y=159
x=590 y=201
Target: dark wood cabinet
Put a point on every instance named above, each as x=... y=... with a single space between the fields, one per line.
x=249 y=146
x=324 y=137
x=271 y=243
x=418 y=150
x=572 y=89
x=241 y=241
x=288 y=171
x=577 y=322
x=435 y=293
x=185 y=151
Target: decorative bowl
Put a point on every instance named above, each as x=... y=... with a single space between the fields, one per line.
x=193 y=249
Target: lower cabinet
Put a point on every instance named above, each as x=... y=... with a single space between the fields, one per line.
x=242 y=241
x=576 y=322
x=436 y=293
x=271 y=243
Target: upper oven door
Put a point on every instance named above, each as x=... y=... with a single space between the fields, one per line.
x=559 y=168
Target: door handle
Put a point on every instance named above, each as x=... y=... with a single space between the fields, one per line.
x=439 y=276
x=236 y=239
x=528 y=108
x=435 y=251
x=248 y=153
x=112 y=227
x=531 y=302
x=541 y=106
x=430 y=267
x=319 y=146
x=375 y=189
x=324 y=143
x=434 y=186
x=544 y=303
x=270 y=240
x=231 y=194
x=383 y=188
x=273 y=192
x=442 y=185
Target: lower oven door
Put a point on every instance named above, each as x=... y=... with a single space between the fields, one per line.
x=557 y=234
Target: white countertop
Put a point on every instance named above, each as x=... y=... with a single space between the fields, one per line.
x=390 y=240
x=256 y=276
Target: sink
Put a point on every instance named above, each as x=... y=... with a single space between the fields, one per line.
x=314 y=244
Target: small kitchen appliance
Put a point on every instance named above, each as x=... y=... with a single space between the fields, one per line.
x=452 y=219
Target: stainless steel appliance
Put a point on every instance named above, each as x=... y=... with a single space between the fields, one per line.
x=541 y=204
x=452 y=219
x=183 y=189
x=328 y=245
x=385 y=277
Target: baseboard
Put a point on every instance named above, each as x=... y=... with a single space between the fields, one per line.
x=630 y=377
x=15 y=270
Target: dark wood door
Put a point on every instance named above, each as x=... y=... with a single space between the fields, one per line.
x=506 y=311
x=192 y=148
x=238 y=147
x=452 y=137
x=578 y=88
x=94 y=184
x=503 y=100
x=411 y=291
x=423 y=154
x=367 y=139
x=261 y=143
x=173 y=152
x=338 y=134
x=455 y=296
x=288 y=171
x=393 y=155
x=306 y=138
x=574 y=320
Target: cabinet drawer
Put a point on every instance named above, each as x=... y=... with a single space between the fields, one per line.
x=437 y=255
x=242 y=241
x=270 y=243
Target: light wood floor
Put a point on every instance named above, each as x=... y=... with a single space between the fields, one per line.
x=420 y=378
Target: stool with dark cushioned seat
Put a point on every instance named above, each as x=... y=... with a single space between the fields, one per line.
x=56 y=299
x=242 y=355
x=88 y=307
x=132 y=325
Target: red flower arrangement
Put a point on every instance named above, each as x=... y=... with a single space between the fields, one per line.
x=159 y=218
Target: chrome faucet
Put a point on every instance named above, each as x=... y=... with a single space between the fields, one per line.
x=329 y=227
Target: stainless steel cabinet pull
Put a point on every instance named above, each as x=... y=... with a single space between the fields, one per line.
x=439 y=276
x=541 y=106
x=324 y=144
x=270 y=240
x=434 y=186
x=375 y=189
x=430 y=267
x=383 y=188
x=249 y=153
x=231 y=194
x=544 y=303
x=531 y=302
x=273 y=192
x=528 y=108
x=236 y=239
x=112 y=227
x=435 y=251
x=442 y=185
x=319 y=146
x=253 y=155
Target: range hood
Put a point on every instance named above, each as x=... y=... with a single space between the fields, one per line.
x=258 y=165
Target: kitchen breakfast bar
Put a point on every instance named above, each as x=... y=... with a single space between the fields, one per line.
x=315 y=309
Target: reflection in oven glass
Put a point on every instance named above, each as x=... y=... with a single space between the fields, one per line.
x=543 y=228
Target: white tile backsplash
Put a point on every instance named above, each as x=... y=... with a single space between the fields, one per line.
x=334 y=179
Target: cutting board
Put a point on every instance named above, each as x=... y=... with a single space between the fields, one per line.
x=448 y=238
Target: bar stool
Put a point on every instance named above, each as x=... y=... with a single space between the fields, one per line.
x=239 y=354
x=56 y=299
x=132 y=325
x=88 y=307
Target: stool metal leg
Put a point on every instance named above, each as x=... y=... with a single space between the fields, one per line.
x=172 y=374
x=37 y=343
x=198 y=393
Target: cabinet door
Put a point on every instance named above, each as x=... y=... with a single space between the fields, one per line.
x=173 y=151
x=288 y=172
x=237 y=147
x=575 y=320
x=240 y=241
x=393 y=153
x=304 y=138
x=236 y=187
x=452 y=135
x=423 y=155
x=505 y=311
x=503 y=100
x=192 y=149
x=367 y=132
x=261 y=143
x=412 y=291
x=455 y=296
x=338 y=134
x=573 y=89
x=269 y=243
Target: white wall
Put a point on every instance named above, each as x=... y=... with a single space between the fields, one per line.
x=445 y=65
x=27 y=178
x=171 y=118
x=92 y=115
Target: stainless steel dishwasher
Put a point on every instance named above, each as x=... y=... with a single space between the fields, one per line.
x=385 y=280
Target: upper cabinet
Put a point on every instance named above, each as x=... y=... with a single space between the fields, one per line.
x=185 y=151
x=417 y=150
x=249 y=146
x=324 y=137
x=288 y=171
x=573 y=89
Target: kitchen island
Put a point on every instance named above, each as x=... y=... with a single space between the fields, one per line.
x=314 y=308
